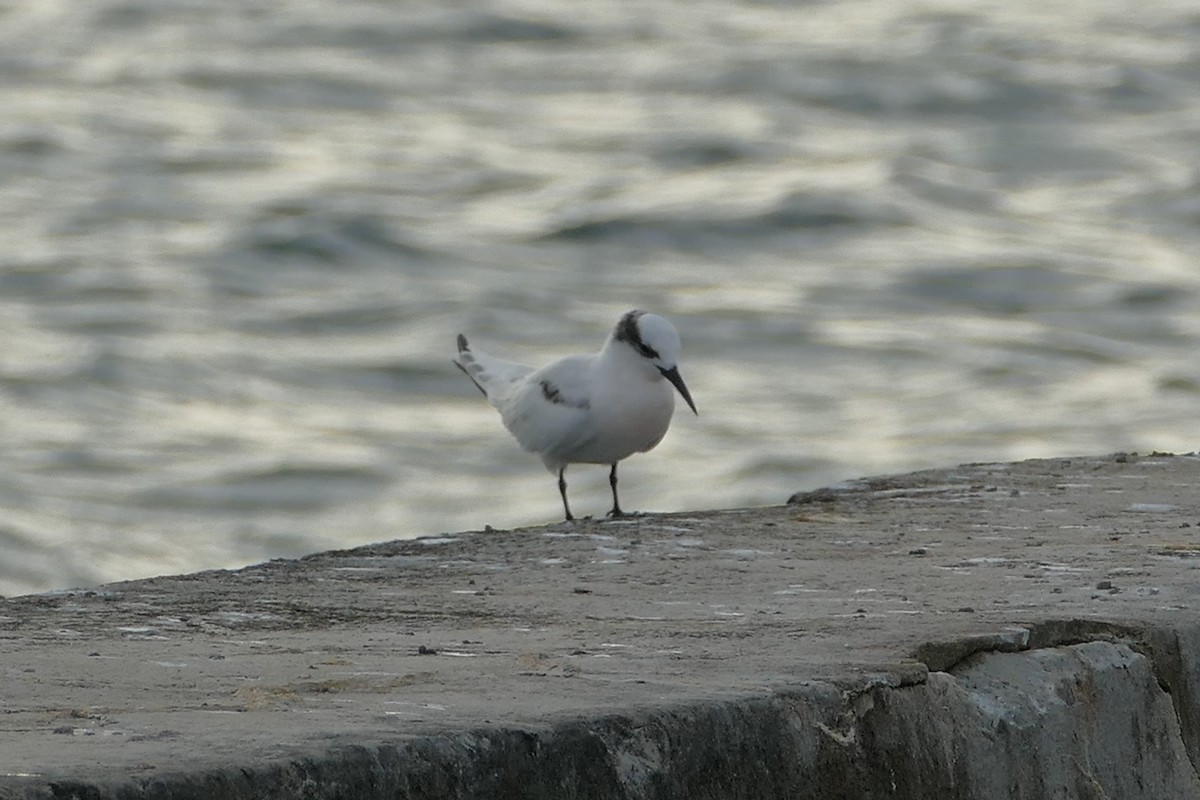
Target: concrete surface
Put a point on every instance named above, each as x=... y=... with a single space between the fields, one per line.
x=1022 y=630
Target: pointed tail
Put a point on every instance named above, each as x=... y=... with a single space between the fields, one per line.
x=466 y=360
x=495 y=377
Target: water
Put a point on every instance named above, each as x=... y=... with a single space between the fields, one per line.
x=239 y=239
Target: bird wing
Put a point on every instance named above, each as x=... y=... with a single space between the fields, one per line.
x=495 y=377
x=549 y=411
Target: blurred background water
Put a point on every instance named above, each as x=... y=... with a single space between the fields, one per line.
x=239 y=238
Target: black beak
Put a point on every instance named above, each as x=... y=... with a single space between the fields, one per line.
x=672 y=375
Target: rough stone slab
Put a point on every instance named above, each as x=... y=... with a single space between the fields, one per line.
x=1087 y=721
x=1022 y=630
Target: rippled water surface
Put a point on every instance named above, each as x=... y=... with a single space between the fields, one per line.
x=239 y=239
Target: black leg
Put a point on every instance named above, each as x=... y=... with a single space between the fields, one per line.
x=612 y=481
x=562 y=489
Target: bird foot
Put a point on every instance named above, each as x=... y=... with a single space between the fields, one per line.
x=617 y=513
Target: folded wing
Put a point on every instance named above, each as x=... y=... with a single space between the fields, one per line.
x=549 y=413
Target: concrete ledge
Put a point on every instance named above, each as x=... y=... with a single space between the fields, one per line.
x=995 y=630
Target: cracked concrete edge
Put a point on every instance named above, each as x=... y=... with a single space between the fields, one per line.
x=769 y=742
x=945 y=655
x=892 y=730
x=1174 y=654
x=1075 y=722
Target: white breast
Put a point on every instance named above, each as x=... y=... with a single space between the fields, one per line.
x=628 y=417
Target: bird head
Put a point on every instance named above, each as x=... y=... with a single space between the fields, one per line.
x=657 y=341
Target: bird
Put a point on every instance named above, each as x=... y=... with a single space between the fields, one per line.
x=599 y=408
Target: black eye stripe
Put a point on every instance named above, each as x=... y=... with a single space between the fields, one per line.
x=646 y=350
x=627 y=331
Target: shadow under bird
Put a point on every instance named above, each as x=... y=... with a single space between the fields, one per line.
x=588 y=409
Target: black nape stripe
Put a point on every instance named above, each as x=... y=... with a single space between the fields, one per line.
x=627 y=331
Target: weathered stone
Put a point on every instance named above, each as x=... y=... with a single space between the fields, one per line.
x=792 y=652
